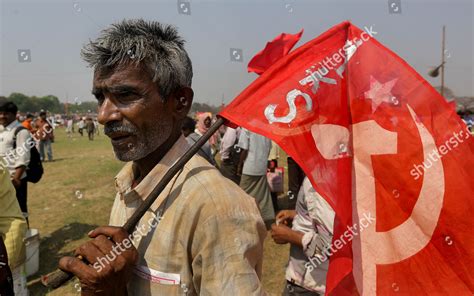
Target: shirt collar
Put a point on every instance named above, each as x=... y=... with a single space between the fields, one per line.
x=124 y=179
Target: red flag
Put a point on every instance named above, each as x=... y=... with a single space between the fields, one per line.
x=273 y=51
x=385 y=150
x=452 y=104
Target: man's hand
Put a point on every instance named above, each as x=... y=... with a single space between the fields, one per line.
x=16 y=179
x=16 y=182
x=285 y=216
x=103 y=275
x=282 y=234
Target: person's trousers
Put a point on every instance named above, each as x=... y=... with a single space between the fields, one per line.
x=45 y=144
x=272 y=165
x=295 y=179
x=257 y=186
x=21 y=195
x=228 y=169
x=295 y=290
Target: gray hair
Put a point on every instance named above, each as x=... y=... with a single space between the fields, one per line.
x=134 y=41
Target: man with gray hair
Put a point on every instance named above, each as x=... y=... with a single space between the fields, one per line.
x=203 y=235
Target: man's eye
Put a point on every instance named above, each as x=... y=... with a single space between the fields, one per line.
x=100 y=99
x=126 y=96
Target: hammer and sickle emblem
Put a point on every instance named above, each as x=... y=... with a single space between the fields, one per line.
x=371 y=247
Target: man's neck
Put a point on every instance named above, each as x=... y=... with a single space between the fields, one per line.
x=145 y=165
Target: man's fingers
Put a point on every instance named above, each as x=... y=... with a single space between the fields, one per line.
x=76 y=266
x=90 y=252
x=118 y=234
x=280 y=215
x=274 y=226
x=104 y=244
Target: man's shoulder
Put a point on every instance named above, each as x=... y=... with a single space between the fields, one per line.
x=206 y=187
x=21 y=130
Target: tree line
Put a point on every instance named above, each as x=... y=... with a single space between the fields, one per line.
x=51 y=103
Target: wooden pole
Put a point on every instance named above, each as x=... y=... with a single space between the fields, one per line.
x=442 y=60
x=57 y=278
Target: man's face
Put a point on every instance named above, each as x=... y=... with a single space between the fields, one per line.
x=132 y=111
x=6 y=118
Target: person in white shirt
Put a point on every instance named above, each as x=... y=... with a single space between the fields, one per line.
x=69 y=126
x=310 y=237
x=15 y=154
x=230 y=154
x=253 y=168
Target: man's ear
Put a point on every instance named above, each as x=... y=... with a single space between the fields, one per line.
x=182 y=99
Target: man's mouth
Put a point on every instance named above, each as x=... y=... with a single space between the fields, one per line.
x=119 y=137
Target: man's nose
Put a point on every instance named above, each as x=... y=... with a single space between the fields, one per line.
x=108 y=111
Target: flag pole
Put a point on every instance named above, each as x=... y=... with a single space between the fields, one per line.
x=58 y=277
x=442 y=60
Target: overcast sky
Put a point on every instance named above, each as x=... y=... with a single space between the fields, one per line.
x=54 y=32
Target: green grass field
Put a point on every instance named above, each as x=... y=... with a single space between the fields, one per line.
x=76 y=194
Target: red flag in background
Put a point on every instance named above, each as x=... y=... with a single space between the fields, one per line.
x=385 y=150
x=273 y=51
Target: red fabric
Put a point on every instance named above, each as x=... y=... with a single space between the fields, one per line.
x=452 y=104
x=364 y=139
x=273 y=51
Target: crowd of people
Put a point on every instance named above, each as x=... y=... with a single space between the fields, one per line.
x=25 y=143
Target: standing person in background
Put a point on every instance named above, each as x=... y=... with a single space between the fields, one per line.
x=272 y=165
x=189 y=125
x=27 y=123
x=12 y=231
x=295 y=179
x=80 y=126
x=15 y=162
x=45 y=135
x=230 y=154
x=96 y=124
x=253 y=168
x=203 y=124
x=310 y=237
x=69 y=126
x=90 y=127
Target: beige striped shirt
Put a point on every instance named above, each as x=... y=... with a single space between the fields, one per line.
x=209 y=239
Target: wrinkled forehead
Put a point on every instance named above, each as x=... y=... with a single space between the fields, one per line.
x=106 y=77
